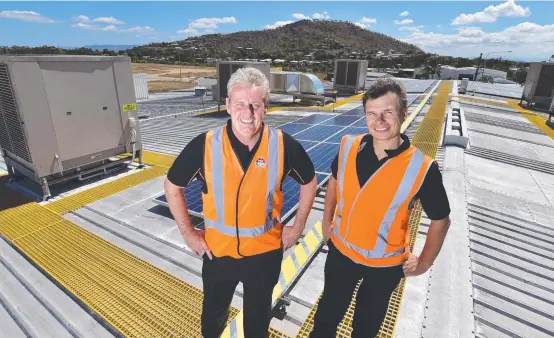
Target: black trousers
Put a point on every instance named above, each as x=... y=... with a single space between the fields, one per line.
x=341 y=277
x=220 y=277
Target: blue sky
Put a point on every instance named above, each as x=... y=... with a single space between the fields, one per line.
x=447 y=28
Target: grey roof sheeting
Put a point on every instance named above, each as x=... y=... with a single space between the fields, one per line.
x=510 y=197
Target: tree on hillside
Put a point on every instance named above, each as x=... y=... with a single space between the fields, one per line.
x=520 y=76
x=432 y=67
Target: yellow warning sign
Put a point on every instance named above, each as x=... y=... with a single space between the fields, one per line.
x=129 y=106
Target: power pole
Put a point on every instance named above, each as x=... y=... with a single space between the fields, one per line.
x=478 y=64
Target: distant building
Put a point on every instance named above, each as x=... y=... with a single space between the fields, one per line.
x=453 y=73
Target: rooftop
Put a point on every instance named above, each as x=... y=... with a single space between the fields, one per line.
x=104 y=257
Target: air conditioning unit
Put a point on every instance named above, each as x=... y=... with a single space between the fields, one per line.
x=350 y=75
x=224 y=70
x=539 y=84
x=63 y=117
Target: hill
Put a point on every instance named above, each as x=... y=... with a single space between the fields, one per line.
x=326 y=39
x=110 y=47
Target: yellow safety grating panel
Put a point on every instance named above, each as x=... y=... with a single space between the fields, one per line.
x=426 y=138
x=134 y=296
x=536 y=119
x=158 y=159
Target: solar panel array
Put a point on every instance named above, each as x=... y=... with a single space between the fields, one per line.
x=496 y=89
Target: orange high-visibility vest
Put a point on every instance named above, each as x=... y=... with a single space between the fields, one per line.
x=371 y=222
x=242 y=209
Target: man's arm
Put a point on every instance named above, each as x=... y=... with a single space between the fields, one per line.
x=329 y=208
x=178 y=206
x=434 y=201
x=306 y=201
x=301 y=169
x=436 y=234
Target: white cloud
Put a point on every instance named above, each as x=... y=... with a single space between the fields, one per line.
x=364 y=22
x=83 y=26
x=139 y=29
x=278 y=24
x=28 y=16
x=491 y=13
x=323 y=16
x=109 y=20
x=82 y=18
x=474 y=40
x=188 y=31
x=300 y=16
x=411 y=28
x=404 y=22
x=405 y=13
x=205 y=23
x=368 y=20
x=316 y=16
x=110 y=28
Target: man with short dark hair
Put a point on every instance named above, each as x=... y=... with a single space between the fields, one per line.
x=377 y=178
x=242 y=166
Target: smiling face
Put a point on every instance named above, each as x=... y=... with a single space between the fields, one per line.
x=384 y=117
x=247 y=108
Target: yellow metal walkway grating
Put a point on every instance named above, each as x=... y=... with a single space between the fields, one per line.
x=133 y=296
x=427 y=139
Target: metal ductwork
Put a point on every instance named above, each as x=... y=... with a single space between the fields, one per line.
x=295 y=83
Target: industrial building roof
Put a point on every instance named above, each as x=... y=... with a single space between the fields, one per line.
x=104 y=259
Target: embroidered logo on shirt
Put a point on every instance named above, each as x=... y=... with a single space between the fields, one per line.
x=260 y=162
x=361 y=146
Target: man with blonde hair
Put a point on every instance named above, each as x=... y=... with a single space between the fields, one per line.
x=242 y=166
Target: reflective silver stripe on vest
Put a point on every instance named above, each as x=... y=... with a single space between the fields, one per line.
x=410 y=176
x=344 y=156
x=217 y=186
x=273 y=172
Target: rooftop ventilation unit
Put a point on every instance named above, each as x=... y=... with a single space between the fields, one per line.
x=539 y=84
x=350 y=75
x=224 y=70
x=295 y=83
x=63 y=117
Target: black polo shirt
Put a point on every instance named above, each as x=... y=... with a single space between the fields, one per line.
x=190 y=162
x=431 y=194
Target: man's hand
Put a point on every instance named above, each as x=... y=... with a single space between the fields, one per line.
x=327 y=228
x=290 y=236
x=196 y=242
x=413 y=267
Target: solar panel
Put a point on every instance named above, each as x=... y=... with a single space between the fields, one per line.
x=293 y=128
x=347 y=131
x=360 y=124
x=314 y=119
x=193 y=196
x=307 y=144
x=317 y=133
x=341 y=120
x=358 y=111
x=322 y=156
x=291 y=191
x=412 y=98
